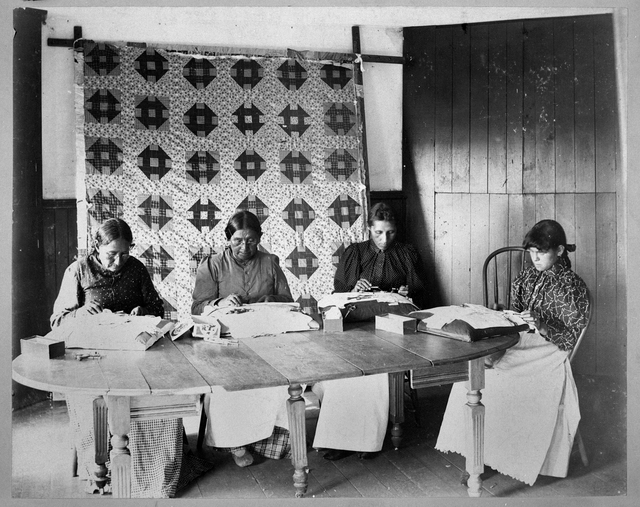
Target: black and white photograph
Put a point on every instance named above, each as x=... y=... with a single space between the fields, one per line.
x=355 y=253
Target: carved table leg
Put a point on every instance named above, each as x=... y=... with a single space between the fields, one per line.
x=298 y=435
x=475 y=427
x=396 y=406
x=119 y=423
x=101 y=442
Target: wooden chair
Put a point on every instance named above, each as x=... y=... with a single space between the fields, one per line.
x=498 y=272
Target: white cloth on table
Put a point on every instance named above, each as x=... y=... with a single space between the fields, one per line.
x=239 y=418
x=531 y=414
x=354 y=413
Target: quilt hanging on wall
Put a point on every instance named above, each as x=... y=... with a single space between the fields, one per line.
x=176 y=141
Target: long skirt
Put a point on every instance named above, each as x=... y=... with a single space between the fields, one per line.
x=354 y=413
x=531 y=414
x=256 y=418
x=160 y=465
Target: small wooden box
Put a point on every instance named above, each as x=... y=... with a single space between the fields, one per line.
x=41 y=347
x=396 y=323
x=332 y=325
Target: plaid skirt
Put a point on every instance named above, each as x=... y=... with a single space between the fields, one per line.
x=277 y=446
x=160 y=466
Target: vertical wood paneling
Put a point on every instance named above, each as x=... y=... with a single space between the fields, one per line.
x=49 y=241
x=497 y=153
x=584 y=106
x=606 y=97
x=608 y=351
x=460 y=234
x=443 y=247
x=516 y=220
x=529 y=117
x=584 y=264
x=543 y=77
x=479 y=246
x=460 y=98
x=566 y=214
x=545 y=207
x=528 y=212
x=545 y=129
x=62 y=239
x=499 y=221
x=564 y=106
x=478 y=108
x=419 y=155
x=515 y=94
x=444 y=86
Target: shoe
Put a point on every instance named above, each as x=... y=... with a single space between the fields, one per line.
x=367 y=455
x=242 y=457
x=336 y=454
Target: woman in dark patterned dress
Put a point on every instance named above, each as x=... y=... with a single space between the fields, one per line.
x=110 y=279
x=531 y=400
x=381 y=261
x=354 y=412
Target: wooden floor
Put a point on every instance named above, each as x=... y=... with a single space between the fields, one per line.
x=41 y=461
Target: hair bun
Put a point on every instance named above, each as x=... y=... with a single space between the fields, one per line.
x=570 y=248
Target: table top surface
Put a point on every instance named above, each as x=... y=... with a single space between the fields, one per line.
x=193 y=366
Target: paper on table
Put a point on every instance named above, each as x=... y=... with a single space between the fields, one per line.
x=112 y=331
x=260 y=319
x=476 y=316
x=340 y=299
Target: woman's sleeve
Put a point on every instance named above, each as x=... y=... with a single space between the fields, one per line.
x=570 y=316
x=280 y=284
x=348 y=272
x=206 y=288
x=416 y=278
x=152 y=301
x=517 y=295
x=67 y=301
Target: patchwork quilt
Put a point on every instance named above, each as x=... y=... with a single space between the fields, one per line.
x=176 y=141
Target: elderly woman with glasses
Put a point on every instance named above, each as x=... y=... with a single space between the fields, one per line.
x=109 y=278
x=253 y=420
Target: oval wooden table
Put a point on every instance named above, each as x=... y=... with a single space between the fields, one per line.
x=168 y=379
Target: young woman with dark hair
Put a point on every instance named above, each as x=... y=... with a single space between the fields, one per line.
x=531 y=400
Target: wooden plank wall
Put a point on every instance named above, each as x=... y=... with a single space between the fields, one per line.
x=60 y=224
x=505 y=124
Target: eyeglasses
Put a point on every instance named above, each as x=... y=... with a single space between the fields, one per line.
x=246 y=241
x=123 y=256
x=113 y=256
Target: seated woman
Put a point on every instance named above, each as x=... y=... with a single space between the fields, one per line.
x=239 y=275
x=354 y=412
x=531 y=401
x=382 y=261
x=110 y=279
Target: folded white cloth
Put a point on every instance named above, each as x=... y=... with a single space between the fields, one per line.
x=260 y=319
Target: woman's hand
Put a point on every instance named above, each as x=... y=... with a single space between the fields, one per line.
x=404 y=290
x=139 y=311
x=362 y=285
x=91 y=308
x=531 y=317
x=231 y=300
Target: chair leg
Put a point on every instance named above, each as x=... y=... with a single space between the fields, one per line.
x=414 y=401
x=74 y=461
x=581 y=448
x=202 y=429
